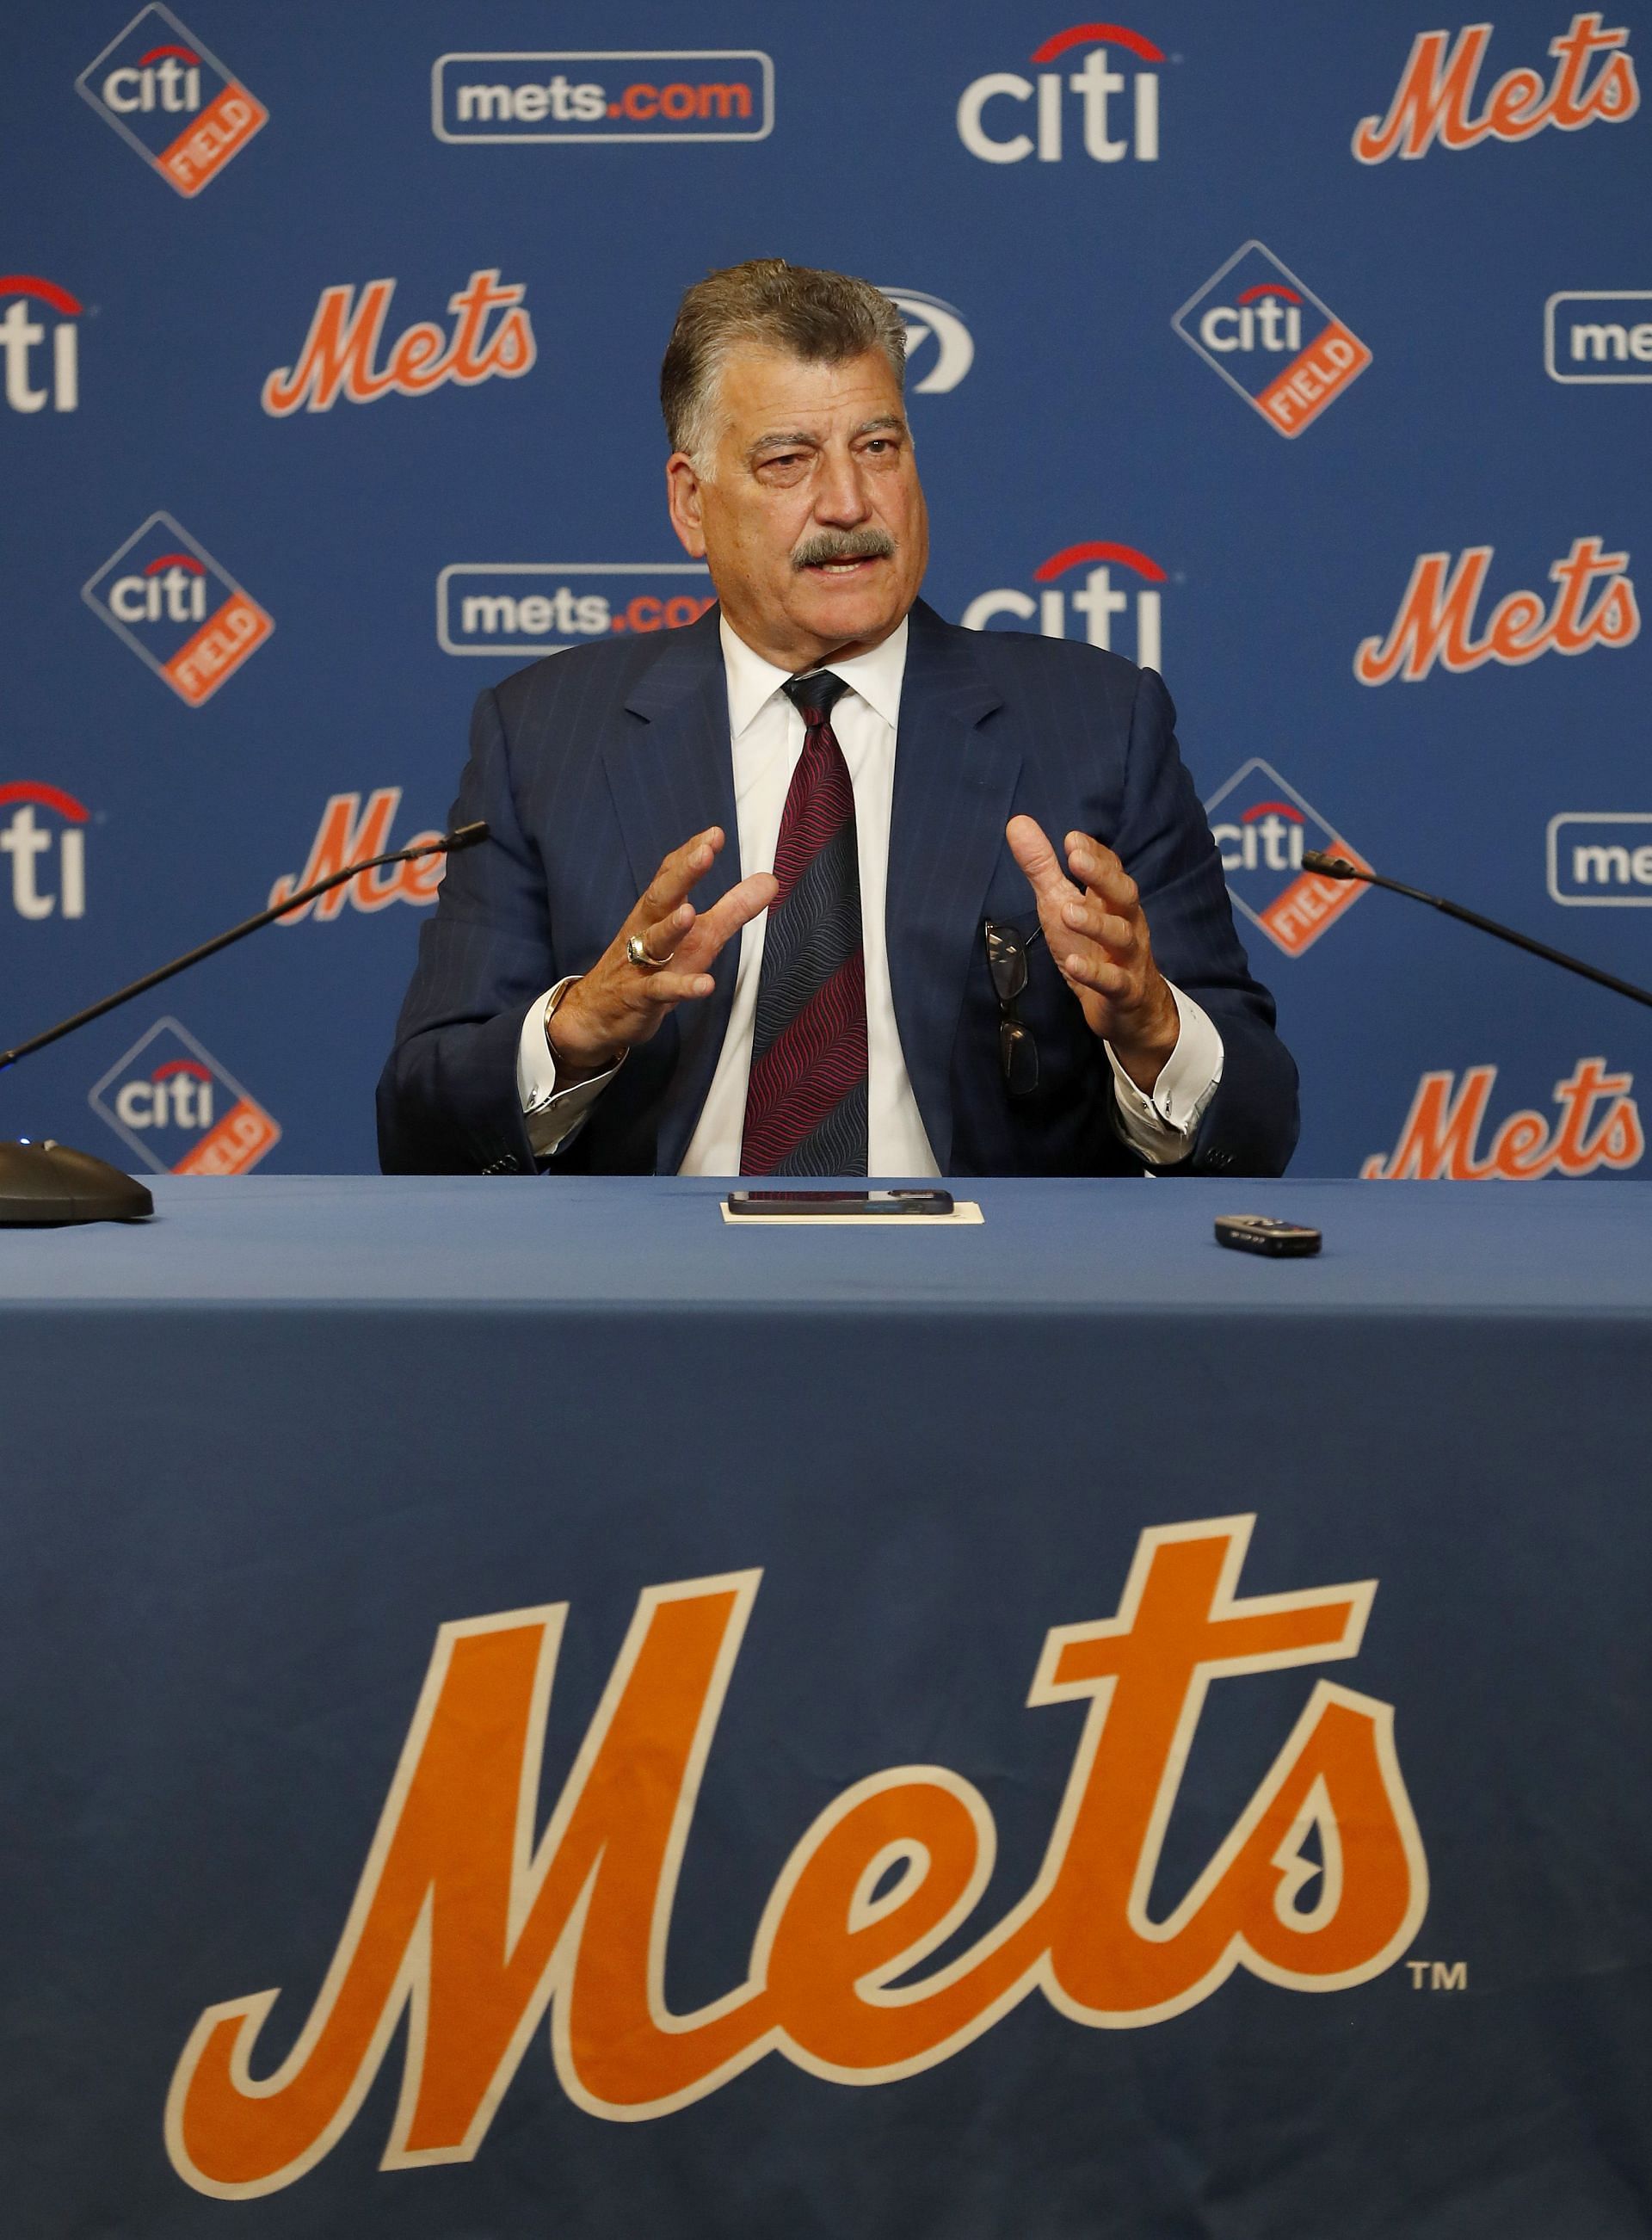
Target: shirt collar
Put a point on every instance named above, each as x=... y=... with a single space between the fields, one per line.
x=753 y=682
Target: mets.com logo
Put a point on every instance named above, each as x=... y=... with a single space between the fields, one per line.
x=171 y=1101
x=1432 y=105
x=499 y=606
x=1271 y=338
x=1096 y=600
x=473 y=1921
x=171 y=100
x=686 y=93
x=1034 y=115
x=181 y=614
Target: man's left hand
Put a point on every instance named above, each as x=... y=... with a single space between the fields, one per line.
x=1097 y=935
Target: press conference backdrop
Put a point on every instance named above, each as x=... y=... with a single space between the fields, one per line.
x=1303 y=354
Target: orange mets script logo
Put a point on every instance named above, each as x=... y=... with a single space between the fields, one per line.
x=1434 y=101
x=1436 y=622
x=338 y=358
x=471 y=1925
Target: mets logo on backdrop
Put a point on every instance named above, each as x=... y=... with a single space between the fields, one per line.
x=176 y=609
x=498 y=606
x=1262 y=829
x=53 y=378
x=1270 y=337
x=1436 y=622
x=1434 y=101
x=349 y=834
x=1318 y=1885
x=171 y=100
x=339 y=356
x=1597 y=1126
x=171 y=1102
x=1105 y=132
x=1095 y=597
x=675 y=93
x=34 y=848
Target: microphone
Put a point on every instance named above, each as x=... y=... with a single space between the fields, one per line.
x=462 y=836
x=50 y=1184
x=1338 y=867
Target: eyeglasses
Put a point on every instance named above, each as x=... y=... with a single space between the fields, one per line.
x=1007 y=961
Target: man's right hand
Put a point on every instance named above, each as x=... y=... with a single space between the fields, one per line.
x=616 y=1003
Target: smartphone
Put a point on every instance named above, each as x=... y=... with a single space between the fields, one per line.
x=757 y=1203
x=1255 y=1232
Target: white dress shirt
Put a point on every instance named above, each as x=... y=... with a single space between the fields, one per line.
x=766 y=735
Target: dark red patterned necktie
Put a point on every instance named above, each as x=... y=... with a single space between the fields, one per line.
x=806 y=1100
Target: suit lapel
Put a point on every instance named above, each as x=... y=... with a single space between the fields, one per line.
x=672 y=774
x=954 y=782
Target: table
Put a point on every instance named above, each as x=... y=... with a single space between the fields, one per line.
x=530 y=1711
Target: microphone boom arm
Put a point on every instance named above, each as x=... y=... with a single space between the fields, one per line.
x=464 y=836
x=1338 y=867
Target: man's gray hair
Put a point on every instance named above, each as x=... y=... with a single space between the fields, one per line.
x=821 y=318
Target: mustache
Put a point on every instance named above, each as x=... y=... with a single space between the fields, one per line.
x=844 y=544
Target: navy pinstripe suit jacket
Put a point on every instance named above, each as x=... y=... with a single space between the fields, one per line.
x=590 y=766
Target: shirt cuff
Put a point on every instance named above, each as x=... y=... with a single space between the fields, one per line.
x=1160 y=1127
x=554 y=1116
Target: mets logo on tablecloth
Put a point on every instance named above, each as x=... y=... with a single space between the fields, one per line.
x=171 y=1101
x=1271 y=338
x=182 y=109
x=179 y=611
x=471 y=1920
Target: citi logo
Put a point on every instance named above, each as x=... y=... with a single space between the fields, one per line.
x=32 y=846
x=171 y=100
x=1262 y=826
x=53 y=378
x=1095 y=599
x=1597 y=1126
x=492 y=606
x=1271 y=338
x=339 y=352
x=183 y=617
x=929 y=319
x=1434 y=101
x=173 y=1104
x=1436 y=622
x=1107 y=134
x=1608 y=340
x=1318 y=1881
x=348 y=833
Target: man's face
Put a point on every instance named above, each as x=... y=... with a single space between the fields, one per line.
x=813 y=522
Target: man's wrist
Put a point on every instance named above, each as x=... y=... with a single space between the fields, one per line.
x=573 y=1069
x=1145 y=1051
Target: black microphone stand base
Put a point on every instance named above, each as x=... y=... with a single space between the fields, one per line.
x=50 y=1186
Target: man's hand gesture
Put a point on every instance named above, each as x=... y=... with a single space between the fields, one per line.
x=619 y=1002
x=1097 y=935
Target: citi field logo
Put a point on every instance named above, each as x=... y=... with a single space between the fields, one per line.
x=1596 y=860
x=928 y=319
x=339 y=352
x=495 y=606
x=1434 y=103
x=1271 y=338
x=167 y=96
x=181 y=614
x=673 y=93
x=1262 y=826
x=40 y=317
x=1107 y=134
x=171 y=1102
x=348 y=833
x=1596 y=1126
x=44 y=835
x=1436 y=622
x=1591 y=344
x=1102 y=594
x=1319 y=1884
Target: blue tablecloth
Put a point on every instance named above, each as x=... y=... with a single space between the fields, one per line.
x=806 y=1732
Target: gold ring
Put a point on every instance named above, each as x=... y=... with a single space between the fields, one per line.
x=636 y=949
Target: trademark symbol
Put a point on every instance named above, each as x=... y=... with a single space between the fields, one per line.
x=1439 y=1975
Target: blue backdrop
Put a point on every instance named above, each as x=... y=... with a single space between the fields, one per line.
x=1285 y=350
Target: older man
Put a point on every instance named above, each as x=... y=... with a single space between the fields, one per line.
x=822 y=885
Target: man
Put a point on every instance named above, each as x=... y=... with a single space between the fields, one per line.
x=895 y=878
